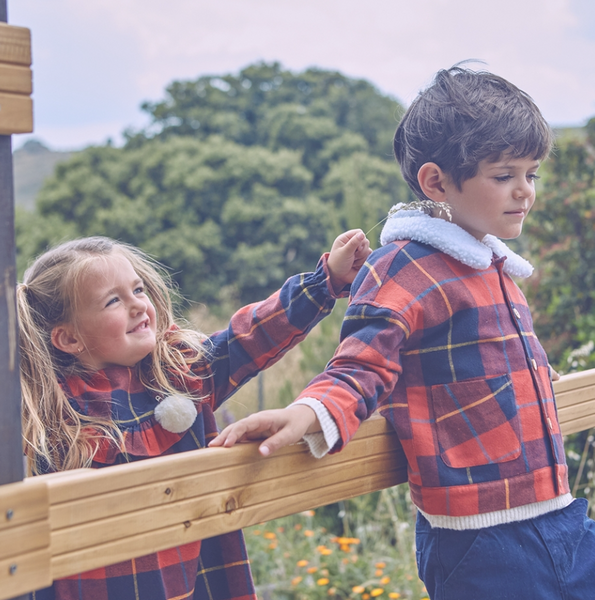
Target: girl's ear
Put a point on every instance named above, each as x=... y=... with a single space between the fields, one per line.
x=64 y=338
x=431 y=180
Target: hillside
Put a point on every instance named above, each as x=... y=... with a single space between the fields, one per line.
x=33 y=164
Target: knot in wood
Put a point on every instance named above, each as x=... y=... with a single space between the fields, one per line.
x=187 y=524
x=230 y=505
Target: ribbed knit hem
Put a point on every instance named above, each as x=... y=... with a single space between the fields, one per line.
x=321 y=442
x=499 y=517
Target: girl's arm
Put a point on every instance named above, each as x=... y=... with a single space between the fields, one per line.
x=259 y=334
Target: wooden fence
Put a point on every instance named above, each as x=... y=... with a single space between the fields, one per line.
x=61 y=524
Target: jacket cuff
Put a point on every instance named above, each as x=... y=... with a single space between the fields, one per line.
x=321 y=442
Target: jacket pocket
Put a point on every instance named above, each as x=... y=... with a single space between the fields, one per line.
x=476 y=422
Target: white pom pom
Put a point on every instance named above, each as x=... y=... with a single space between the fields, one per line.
x=176 y=413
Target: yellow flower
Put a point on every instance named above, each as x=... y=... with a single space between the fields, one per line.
x=385 y=580
x=326 y=551
x=269 y=535
x=358 y=589
x=296 y=580
x=320 y=548
x=308 y=533
x=312 y=570
x=376 y=592
x=394 y=595
x=380 y=565
x=378 y=572
x=322 y=581
x=302 y=563
x=345 y=547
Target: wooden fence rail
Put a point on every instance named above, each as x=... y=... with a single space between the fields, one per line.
x=61 y=524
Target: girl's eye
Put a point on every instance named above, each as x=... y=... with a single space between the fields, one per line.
x=139 y=290
x=112 y=301
x=503 y=178
x=533 y=176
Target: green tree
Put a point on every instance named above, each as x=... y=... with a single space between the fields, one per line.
x=561 y=238
x=239 y=182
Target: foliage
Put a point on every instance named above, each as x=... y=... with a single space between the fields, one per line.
x=366 y=551
x=240 y=181
x=560 y=232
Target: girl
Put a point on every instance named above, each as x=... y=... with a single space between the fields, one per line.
x=107 y=377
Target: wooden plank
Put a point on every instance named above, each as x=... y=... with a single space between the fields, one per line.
x=15 y=45
x=24 y=573
x=16 y=79
x=574 y=381
x=249 y=471
x=221 y=503
x=16 y=114
x=23 y=502
x=24 y=538
x=89 y=558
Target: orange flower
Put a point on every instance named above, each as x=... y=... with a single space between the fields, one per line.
x=308 y=513
x=280 y=529
x=376 y=592
x=380 y=565
x=365 y=596
x=322 y=581
x=332 y=591
x=394 y=595
x=326 y=551
x=378 y=572
x=269 y=535
x=358 y=589
x=308 y=533
x=385 y=580
x=302 y=563
x=297 y=526
x=273 y=545
x=345 y=547
x=256 y=532
x=312 y=570
x=345 y=561
x=320 y=548
x=296 y=580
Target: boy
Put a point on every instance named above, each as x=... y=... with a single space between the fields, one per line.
x=439 y=338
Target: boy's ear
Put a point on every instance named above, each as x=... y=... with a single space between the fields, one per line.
x=64 y=338
x=431 y=179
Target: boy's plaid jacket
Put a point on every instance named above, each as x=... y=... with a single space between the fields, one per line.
x=439 y=338
x=217 y=568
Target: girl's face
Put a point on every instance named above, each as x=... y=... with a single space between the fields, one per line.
x=115 y=322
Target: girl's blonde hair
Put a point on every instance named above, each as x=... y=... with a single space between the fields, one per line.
x=57 y=437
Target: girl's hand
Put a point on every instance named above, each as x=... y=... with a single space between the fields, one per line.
x=348 y=253
x=281 y=427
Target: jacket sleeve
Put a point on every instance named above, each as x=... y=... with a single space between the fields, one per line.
x=367 y=365
x=259 y=334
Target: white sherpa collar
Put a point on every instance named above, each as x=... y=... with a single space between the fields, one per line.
x=452 y=240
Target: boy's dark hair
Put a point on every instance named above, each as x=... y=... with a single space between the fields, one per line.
x=464 y=117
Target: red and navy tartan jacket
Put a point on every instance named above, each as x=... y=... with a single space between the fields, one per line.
x=216 y=568
x=447 y=353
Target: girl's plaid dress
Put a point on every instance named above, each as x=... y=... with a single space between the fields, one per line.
x=217 y=568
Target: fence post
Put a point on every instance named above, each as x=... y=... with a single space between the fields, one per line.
x=11 y=445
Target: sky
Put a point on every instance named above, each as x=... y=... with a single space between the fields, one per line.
x=95 y=62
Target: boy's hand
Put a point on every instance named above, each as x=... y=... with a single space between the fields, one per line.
x=281 y=427
x=348 y=253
